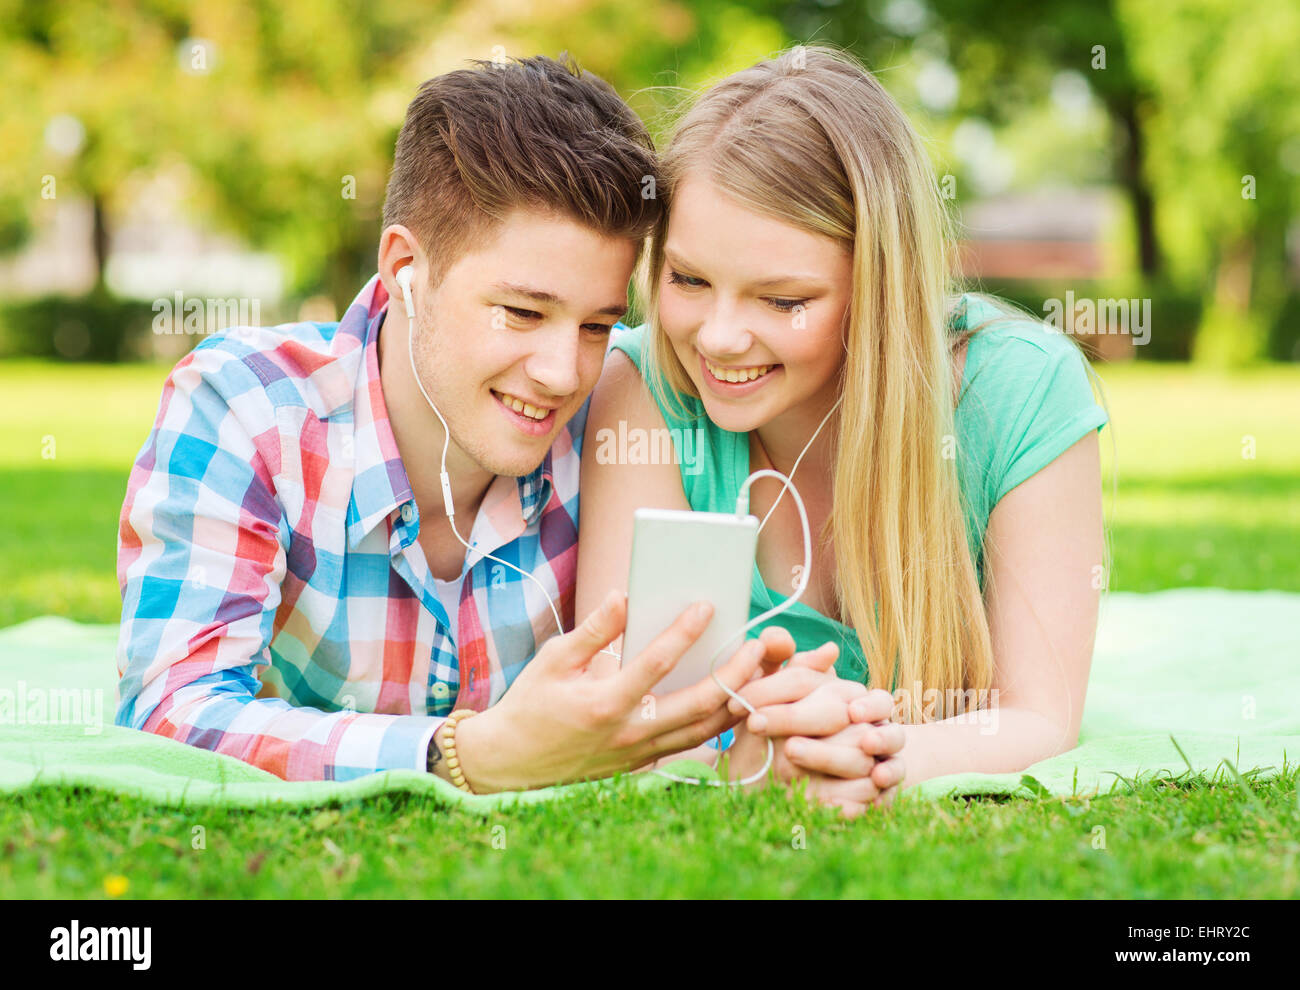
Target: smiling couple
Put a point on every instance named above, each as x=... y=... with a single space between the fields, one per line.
x=296 y=595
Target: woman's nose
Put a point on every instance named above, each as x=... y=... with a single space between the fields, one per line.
x=723 y=334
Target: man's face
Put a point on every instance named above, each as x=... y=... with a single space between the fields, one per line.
x=521 y=321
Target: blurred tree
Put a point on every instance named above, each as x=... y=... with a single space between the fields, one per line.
x=1204 y=102
x=285 y=112
x=1005 y=56
x=1224 y=124
x=269 y=105
x=92 y=106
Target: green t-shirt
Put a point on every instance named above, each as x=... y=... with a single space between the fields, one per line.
x=1025 y=399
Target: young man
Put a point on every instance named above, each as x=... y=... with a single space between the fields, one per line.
x=285 y=519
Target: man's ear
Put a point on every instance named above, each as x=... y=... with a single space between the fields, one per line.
x=398 y=247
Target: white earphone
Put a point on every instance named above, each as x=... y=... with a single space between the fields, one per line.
x=403 y=277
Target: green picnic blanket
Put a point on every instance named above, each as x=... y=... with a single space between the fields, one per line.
x=1216 y=671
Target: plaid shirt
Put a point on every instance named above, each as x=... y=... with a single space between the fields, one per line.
x=269 y=521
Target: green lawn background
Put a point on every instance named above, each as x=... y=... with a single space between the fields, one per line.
x=1193 y=507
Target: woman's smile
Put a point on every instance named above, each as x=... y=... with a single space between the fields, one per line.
x=735 y=381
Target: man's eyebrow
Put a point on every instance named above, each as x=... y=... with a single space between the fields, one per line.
x=674 y=259
x=538 y=295
x=542 y=296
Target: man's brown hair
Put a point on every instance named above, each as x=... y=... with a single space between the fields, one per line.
x=532 y=132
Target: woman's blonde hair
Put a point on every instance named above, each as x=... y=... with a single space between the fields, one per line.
x=810 y=138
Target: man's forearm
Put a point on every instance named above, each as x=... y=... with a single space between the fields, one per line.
x=989 y=741
x=274 y=735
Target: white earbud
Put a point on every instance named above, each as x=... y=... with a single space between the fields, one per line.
x=403 y=277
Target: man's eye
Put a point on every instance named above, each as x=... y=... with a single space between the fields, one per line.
x=787 y=305
x=523 y=314
x=604 y=329
x=689 y=281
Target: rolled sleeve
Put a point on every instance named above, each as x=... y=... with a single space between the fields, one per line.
x=202 y=552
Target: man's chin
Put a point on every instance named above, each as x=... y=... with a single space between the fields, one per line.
x=520 y=459
x=516 y=468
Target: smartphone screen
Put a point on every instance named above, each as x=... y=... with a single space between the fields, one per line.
x=679 y=558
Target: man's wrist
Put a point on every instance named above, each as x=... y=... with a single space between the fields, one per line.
x=472 y=739
x=436 y=759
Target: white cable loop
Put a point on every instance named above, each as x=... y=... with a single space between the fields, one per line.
x=740 y=511
x=799 y=587
x=787 y=482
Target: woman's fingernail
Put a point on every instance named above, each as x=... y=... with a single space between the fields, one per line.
x=757 y=723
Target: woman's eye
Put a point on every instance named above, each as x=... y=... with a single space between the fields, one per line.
x=787 y=305
x=689 y=281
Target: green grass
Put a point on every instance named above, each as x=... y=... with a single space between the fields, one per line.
x=1191 y=510
x=1166 y=840
x=70 y=434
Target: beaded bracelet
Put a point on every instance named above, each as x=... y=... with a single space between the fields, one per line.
x=449 y=747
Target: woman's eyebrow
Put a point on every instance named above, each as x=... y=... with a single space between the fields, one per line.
x=673 y=258
x=807 y=279
x=786 y=280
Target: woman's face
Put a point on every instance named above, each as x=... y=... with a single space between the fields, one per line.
x=743 y=296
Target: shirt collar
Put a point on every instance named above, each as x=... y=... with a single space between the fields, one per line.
x=380 y=485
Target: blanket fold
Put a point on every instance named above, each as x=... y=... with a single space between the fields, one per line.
x=1213 y=673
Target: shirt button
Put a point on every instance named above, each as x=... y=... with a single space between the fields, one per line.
x=408 y=513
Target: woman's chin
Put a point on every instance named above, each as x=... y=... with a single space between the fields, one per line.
x=734 y=419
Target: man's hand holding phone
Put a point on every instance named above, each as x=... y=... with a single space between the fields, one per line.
x=566 y=718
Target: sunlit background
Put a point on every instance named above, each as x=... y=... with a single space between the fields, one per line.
x=240 y=149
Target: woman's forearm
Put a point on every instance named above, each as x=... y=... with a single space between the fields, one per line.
x=1003 y=740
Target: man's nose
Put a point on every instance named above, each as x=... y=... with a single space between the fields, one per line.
x=554 y=364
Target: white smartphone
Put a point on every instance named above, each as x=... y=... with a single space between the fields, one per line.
x=679 y=558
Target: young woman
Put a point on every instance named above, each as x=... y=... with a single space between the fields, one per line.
x=798 y=290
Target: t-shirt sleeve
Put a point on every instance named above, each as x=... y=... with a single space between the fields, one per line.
x=1049 y=406
x=708 y=457
x=629 y=340
x=683 y=413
